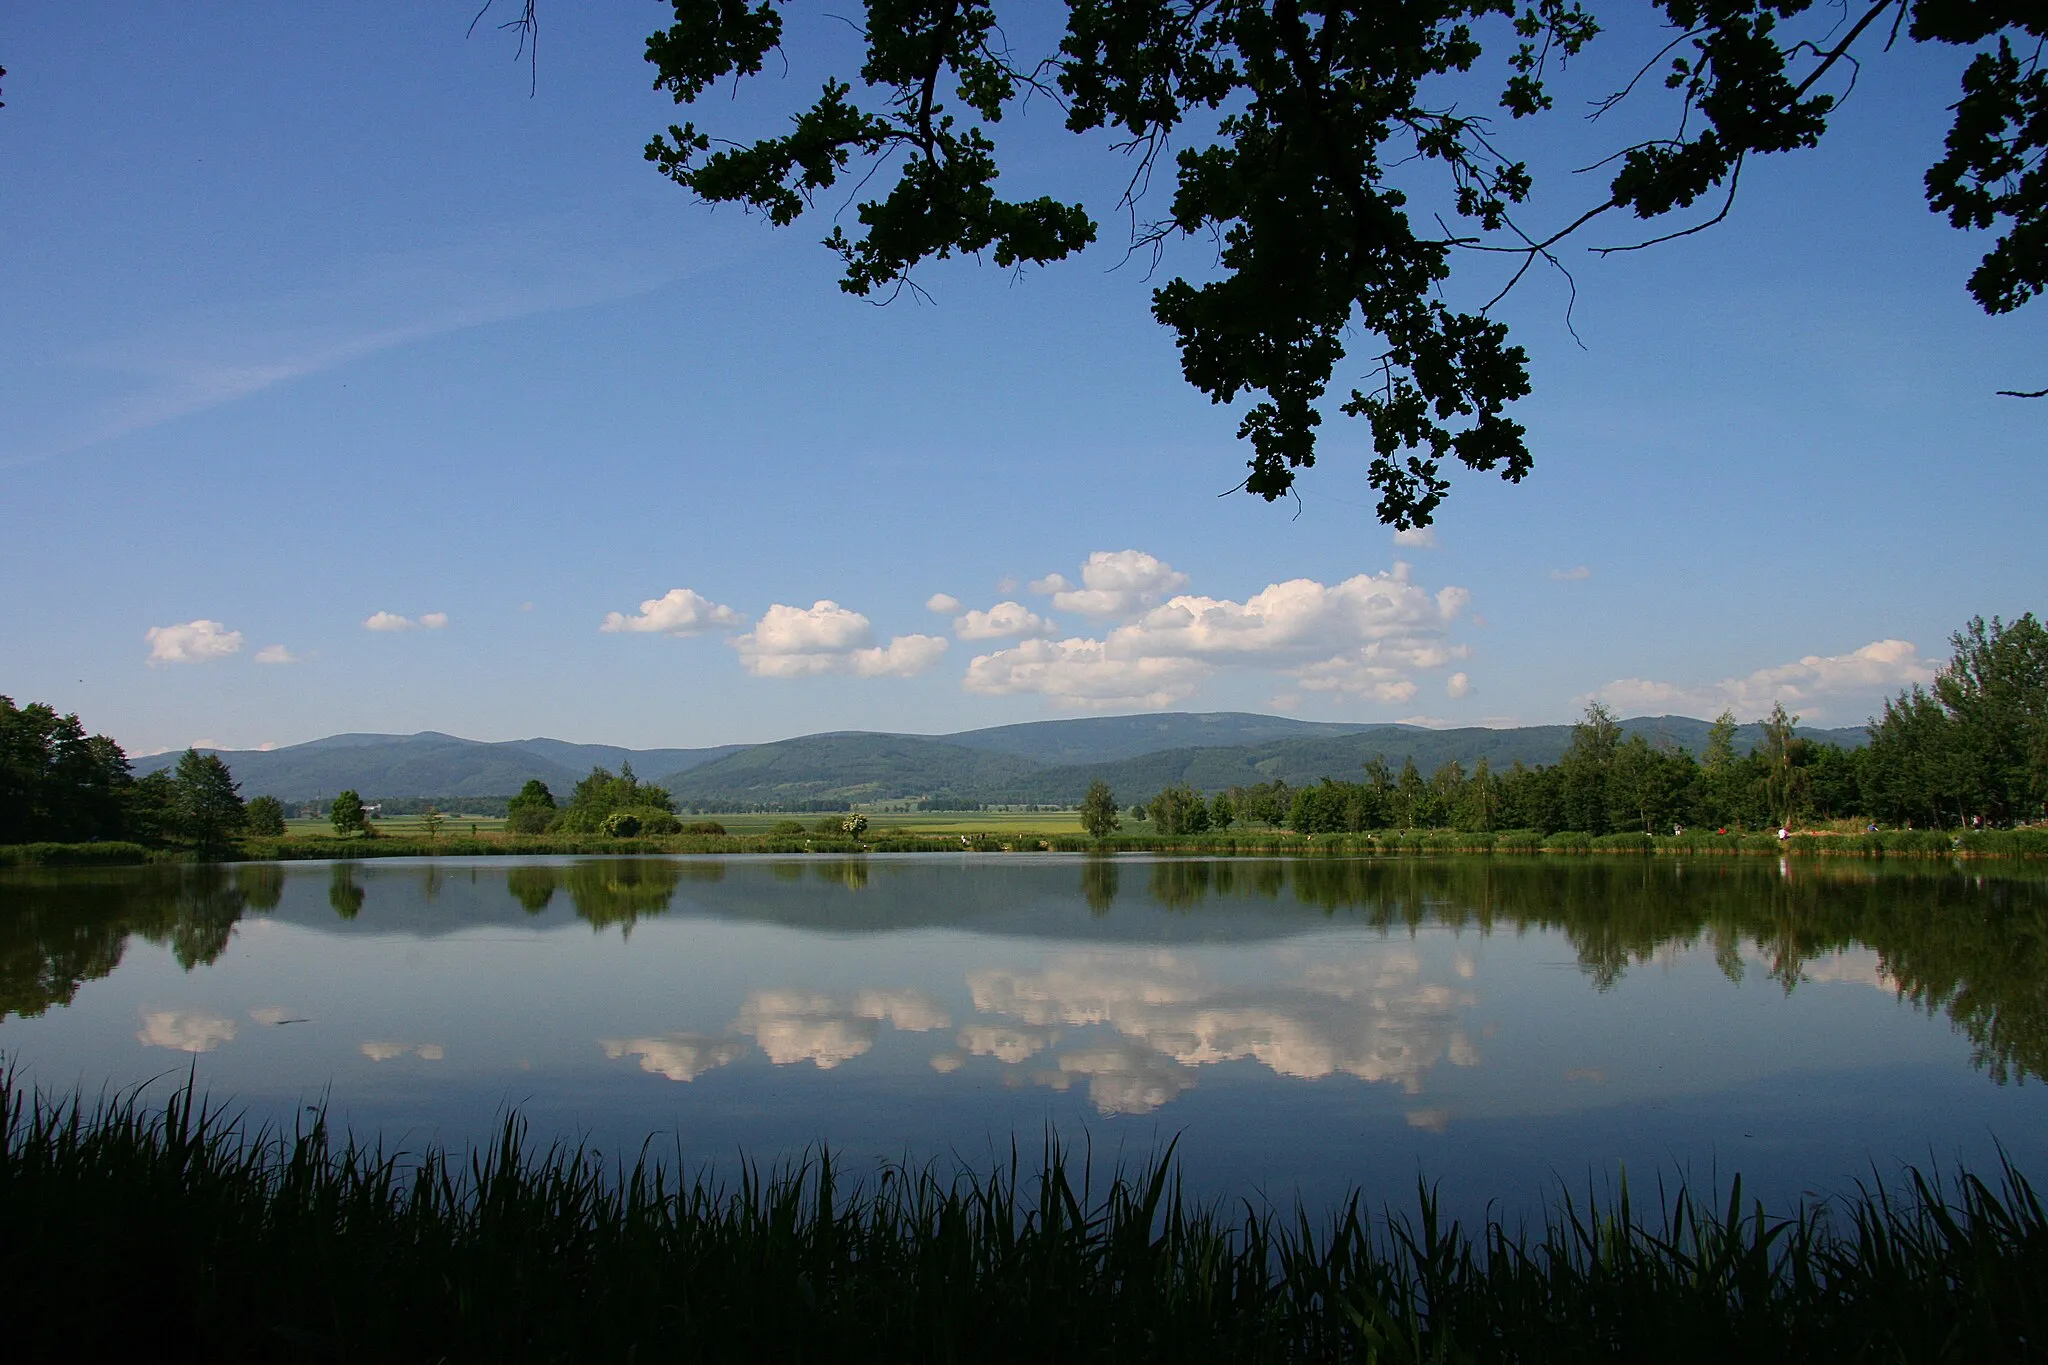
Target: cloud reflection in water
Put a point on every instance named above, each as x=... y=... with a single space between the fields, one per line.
x=790 y=1026
x=805 y=1026
x=185 y=1030
x=678 y=1056
x=1372 y=1016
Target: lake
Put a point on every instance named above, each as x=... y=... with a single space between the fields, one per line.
x=1509 y=1027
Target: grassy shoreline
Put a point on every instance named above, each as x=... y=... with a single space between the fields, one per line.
x=2031 y=843
x=226 y=1244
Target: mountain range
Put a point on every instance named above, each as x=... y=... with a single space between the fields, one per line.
x=1038 y=762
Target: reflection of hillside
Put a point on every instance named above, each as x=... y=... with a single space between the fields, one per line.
x=60 y=929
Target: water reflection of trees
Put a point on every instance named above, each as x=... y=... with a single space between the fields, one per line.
x=1973 y=948
x=60 y=929
x=1099 y=884
x=609 y=891
x=851 y=873
x=532 y=887
x=344 y=896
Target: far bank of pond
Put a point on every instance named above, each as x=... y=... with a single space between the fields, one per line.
x=2027 y=843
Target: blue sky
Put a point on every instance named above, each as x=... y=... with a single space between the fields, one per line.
x=378 y=390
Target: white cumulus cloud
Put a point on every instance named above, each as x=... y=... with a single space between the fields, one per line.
x=1366 y=637
x=194 y=642
x=1416 y=537
x=1081 y=674
x=1113 y=583
x=679 y=611
x=1458 y=686
x=1003 y=621
x=942 y=603
x=275 y=654
x=392 y=621
x=1860 y=677
x=804 y=642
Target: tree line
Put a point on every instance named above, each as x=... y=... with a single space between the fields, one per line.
x=1972 y=749
x=61 y=785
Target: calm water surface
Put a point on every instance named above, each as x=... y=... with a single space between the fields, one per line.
x=1498 y=1025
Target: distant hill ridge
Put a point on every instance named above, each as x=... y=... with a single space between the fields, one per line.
x=1049 y=761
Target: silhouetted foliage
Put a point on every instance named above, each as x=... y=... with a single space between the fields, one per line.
x=1328 y=152
x=56 y=783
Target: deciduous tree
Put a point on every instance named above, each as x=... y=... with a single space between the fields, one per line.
x=1344 y=162
x=347 y=815
x=1098 y=810
x=264 y=817
x=532 y=809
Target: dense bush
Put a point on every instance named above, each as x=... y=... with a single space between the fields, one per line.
x=263 y=818
x=112 y=853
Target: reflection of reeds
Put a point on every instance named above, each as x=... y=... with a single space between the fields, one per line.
x=227 y=1244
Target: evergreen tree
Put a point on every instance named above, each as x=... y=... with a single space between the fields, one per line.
x=57 y=783
x=151 y=815
x=206 y=802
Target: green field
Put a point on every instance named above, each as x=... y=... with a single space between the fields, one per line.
x=754 y=823
x=916 y=822
x=403 y=826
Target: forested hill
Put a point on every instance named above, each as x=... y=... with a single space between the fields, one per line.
x=431 y=764
x=861 y=767
x=1043 y=761
x=1096 y=739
